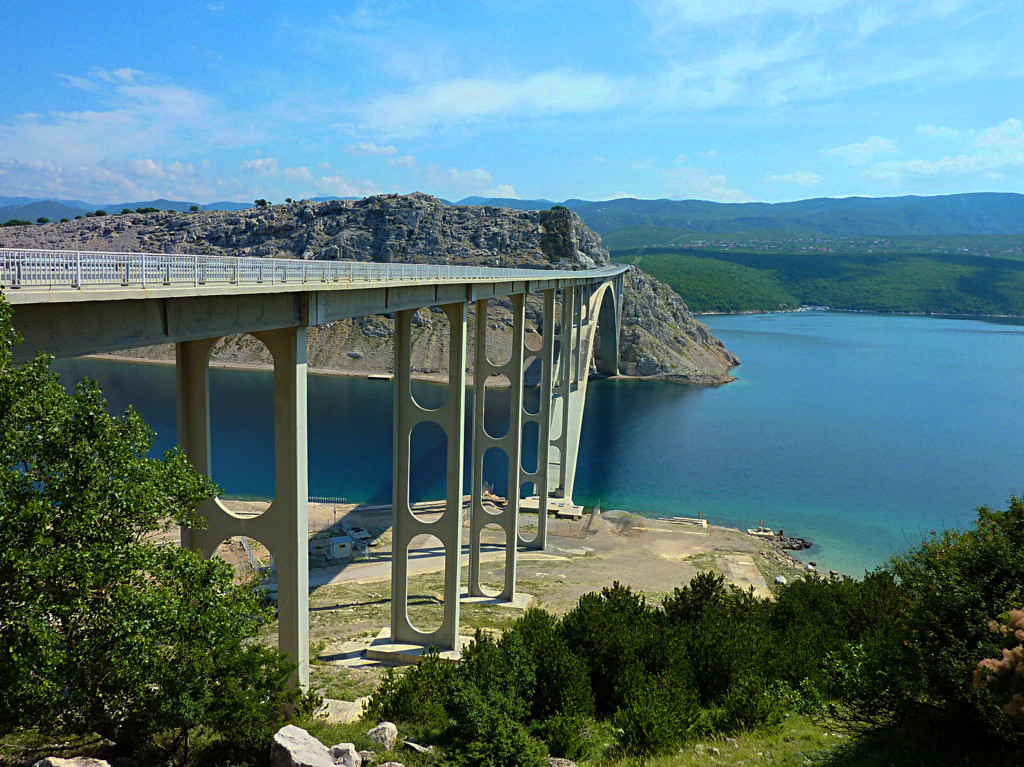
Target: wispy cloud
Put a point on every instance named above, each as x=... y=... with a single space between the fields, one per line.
x=474 y=100
x=938 y=131
x=864 y=151
x=700 y=184
x=800 y=178
x=989 y=153
x=367 y=148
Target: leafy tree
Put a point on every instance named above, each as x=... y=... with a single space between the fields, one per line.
x=42 y=220
x=261 y=203
x=64 y=220
x=100 y=212
x=102 y=629
x=125 y=210
x=193 y=208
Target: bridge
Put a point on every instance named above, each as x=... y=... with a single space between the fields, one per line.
x=74 y=303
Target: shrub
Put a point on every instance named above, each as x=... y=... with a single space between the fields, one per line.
x=568 y=736
x=421 y=694
x=655 y=718
x=749 y=705
x=103 y=630
x=1003 y=678
x=561 y=683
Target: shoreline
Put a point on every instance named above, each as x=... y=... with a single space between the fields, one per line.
x=805 y=309
x=438 y=378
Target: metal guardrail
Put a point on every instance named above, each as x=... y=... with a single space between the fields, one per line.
x=49 y=269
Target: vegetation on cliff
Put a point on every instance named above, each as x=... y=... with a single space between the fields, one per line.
x=711 y=280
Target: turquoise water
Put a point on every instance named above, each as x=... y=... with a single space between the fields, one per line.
x=858 y=432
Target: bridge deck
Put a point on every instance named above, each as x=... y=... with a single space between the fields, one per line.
x=44 y=276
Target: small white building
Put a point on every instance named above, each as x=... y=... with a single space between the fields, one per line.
x=341 y=547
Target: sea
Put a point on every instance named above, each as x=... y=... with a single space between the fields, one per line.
x=860 y=433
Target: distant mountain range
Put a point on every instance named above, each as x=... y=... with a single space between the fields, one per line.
x=957 y=214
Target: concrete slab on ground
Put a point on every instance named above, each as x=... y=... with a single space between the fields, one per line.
x=519 y=601
x=745 y=574
x=402 y=654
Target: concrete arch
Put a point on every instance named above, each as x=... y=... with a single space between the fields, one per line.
x=283 y=527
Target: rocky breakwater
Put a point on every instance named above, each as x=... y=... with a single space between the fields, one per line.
x=660 y=338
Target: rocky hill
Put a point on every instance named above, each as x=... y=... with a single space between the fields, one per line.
x=660 y=338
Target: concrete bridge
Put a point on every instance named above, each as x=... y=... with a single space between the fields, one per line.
x=75 y=303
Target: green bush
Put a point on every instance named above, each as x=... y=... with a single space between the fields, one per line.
x=656 y=717
x=568 y=736
x=103 y=630
x=748 y=705
x=951 y=585
x=422 y=694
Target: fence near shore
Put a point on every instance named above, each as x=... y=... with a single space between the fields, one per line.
x=327 y=499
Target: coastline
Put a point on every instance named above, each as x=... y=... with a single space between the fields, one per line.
x=803 y=309
x=438 y=378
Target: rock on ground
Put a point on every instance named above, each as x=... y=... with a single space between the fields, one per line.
x=345 y=755
x=75 y=761
x=385 y=733
x=294 y=747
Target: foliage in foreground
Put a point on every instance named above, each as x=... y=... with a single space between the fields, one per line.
x=895 y=652
x=101 y=629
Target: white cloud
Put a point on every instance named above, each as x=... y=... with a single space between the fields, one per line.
x=863 y=152
x=476 y=179
x=468 y=100
x=343 y=187
x=300 y=173
x=402 y=161
x=265 y=166
x=989 y=153
x=938 y=131
x=367 y=148
x=700 y=184
x=675 y=13
x=800 y=178
x=501 y=190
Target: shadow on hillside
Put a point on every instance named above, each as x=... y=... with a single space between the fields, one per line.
x=926 y=744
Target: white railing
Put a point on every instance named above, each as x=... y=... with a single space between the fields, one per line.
x=48 y=269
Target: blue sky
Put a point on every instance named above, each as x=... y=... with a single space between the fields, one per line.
x=726 y=100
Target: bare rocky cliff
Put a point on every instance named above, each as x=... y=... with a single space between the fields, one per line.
x=660 y=338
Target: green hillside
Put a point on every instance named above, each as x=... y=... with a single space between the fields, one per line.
x=710 y=280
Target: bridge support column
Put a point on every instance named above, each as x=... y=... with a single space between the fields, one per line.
x=511 y=444
x=566 y=380
x=539 y=476
x=283 y=528
x=405 y=525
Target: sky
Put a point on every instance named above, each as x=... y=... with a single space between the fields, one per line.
x=726 y=100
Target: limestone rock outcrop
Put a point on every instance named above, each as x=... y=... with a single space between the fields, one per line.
x=660 y=338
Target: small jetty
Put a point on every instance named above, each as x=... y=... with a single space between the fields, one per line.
x=779 y=538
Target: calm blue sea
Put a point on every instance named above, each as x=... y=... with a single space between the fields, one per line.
x=858 y=432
